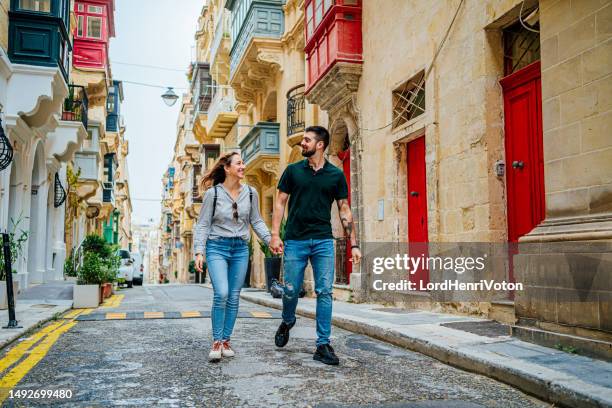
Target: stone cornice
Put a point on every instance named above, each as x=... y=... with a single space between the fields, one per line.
x=337 y=86
x=261 y=61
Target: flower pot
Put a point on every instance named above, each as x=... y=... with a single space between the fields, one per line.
x=86 y=296
x=272 y=267
x=3 y=295
x=107 y=290
x=247 y=277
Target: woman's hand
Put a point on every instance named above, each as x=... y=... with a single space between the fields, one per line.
x=199 y=263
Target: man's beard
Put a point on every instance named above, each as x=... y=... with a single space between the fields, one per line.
x=308 y=153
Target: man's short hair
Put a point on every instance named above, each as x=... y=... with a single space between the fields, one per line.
x=321 y=134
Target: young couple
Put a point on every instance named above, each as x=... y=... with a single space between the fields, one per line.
x=222 y=232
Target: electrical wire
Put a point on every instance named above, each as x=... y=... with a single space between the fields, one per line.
x=422 y=81
x=151 y=85
x=149 y=66
x=523 y=23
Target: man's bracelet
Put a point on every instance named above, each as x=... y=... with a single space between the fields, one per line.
x=354 y=246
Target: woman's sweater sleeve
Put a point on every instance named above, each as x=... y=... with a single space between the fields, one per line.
x=202 y=228
x=258 y=224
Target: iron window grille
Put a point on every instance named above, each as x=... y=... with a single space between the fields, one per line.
x=341 y=277
x=76 y=105
x=409 y=100
x=521 y=47
x=295 y=110
x=60 y=193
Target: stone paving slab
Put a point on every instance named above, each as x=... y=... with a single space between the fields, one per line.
x=556 y=376
x=29 y=314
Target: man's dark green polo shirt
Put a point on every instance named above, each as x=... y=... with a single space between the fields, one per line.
x=311 y=195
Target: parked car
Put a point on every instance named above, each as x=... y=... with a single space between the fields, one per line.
x=138 y=268
x=126 y=268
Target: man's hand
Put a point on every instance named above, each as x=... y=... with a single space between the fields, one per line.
x=199 y=263
x=356 y=256
x=276 y=245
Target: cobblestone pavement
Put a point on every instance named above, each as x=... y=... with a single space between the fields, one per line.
x=163 y=362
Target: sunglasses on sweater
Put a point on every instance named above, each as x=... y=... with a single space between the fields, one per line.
x=235 y=208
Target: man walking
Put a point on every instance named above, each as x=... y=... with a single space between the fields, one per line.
x=311 y=186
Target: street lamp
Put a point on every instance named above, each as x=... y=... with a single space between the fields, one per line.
x=6 y=150
x=169 y=97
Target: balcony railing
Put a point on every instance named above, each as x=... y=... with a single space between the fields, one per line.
x=75 y=105
x=295 y=110
x=263 y=139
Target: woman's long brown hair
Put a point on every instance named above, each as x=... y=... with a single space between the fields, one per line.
x=216 y=174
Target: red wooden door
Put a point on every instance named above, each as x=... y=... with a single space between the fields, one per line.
x=345 y=156
x=524 y=153
x=417 y=205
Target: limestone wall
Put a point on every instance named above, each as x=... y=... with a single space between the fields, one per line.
x=576 y=41
x=4 y=23
x=463 y=122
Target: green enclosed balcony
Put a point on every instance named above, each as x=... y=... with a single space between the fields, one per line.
x=39 y=33
x=260 y=148
x=250 y=19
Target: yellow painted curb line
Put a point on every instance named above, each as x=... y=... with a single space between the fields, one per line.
x=191 y=314
x=18 y=351
x=260 y=314
x=115 y=316
x=153 y=315
x=10 y=380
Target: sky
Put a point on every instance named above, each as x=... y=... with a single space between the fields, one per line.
x=158 y=33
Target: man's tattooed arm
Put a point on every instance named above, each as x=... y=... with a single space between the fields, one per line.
x=346 y=218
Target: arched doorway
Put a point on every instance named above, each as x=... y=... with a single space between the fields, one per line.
x=344 y=266
x=38 y=219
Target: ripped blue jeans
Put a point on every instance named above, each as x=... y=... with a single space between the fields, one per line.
x=320 y=252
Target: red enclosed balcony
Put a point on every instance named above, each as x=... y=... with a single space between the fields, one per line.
x=333 y=35
x=95 y=25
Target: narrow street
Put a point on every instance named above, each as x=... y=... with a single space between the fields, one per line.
x=112 y=359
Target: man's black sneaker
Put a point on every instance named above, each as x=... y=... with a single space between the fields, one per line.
x=325 y=354
x=282 y=334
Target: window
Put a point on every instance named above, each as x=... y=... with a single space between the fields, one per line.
x=521 y=47
x=315 y=11
x=110 y=102
x=409 y=100
x=309 y=21
x=94 y=27
x=80 y=26
x=81 y=8
x=42 y=6
x=95 y=9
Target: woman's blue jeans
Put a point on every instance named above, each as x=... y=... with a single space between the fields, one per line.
x=227 y=260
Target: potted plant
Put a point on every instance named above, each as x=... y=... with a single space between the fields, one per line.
x=272 y=262
x=89 y=276
x=17 y=239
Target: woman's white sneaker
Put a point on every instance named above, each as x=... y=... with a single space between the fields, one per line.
x=215 y=352
x=227 y=350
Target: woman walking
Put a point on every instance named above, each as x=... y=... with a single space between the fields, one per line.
x=221 y=235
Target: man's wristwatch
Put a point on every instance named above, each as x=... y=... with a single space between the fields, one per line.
x=355 y=246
